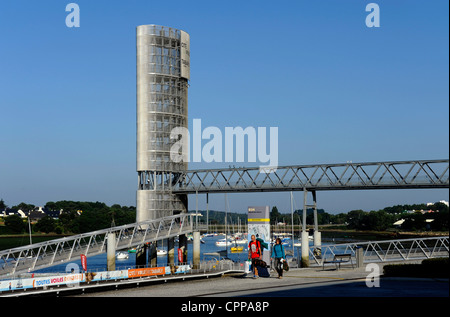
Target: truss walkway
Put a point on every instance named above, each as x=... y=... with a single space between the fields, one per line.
x=45 y=254
x=346 y=176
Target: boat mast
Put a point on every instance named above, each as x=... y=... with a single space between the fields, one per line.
x=29 y=228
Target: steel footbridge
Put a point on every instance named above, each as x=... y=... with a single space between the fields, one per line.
x=344 y=176
x=45 y=254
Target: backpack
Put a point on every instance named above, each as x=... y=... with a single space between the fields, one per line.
x=263 y=245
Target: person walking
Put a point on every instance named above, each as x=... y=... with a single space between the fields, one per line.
x=279 y=256
x=254 y=254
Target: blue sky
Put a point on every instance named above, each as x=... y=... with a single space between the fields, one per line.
x=337 y=91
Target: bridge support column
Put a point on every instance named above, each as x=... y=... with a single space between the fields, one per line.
x=317 y=235
x=111 y=252
x=317 y=238
x=196 y=250
x=152 y=254
x=305 y=250
x=171 y=252
x=305 y=240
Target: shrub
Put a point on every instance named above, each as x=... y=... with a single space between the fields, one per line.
x=437 y=267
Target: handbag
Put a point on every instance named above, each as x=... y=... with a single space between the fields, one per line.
x=285 y=266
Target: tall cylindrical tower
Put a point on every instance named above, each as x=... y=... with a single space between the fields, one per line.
x=163 y=72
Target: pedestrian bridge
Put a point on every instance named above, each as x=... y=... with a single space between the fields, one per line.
x=343 y=176
x=45 y=254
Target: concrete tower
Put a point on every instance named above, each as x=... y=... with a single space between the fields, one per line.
x=163 y=73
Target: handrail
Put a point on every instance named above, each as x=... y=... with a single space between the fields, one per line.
x=385 y=250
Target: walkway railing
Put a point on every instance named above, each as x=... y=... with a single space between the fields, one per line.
x=63 y=250
x=385 y=250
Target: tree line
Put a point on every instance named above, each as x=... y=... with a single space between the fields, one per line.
x=79 y=217
x=75 y=217
x=378 y=220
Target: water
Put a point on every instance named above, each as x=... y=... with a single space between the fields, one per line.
x=98 y=262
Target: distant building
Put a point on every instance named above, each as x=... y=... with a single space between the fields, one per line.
x=35 y=215
x=9 y=212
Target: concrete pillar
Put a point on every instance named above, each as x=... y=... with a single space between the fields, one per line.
x=317 y=238
x=152 y=255
x=171 y=252
x=111 y=252
x=317 y=235
x=305 y=241
x=196 y=250
x=359 y=257
x=305 y=250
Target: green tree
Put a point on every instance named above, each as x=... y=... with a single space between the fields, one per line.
x=377 y=220
x=414 y=222
x=355 y=219
x=69 y=222
x=123 y=215
x=440 y=222
x=51 y=205
x=91 y=220
x=338 y=219
x=15 y=224
x=46 y=224
x=24 y=207
x=2 y=205
x=441 y=207
x=275 y=215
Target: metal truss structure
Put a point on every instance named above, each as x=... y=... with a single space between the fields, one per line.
x=345 y=176
x=385 y=251
x=63 y=250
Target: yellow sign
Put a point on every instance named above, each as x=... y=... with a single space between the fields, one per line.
x=258 y=219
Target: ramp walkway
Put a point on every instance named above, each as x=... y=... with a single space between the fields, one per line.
x=45 y=254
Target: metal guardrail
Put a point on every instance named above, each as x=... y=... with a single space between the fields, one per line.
x=345 y=176
x=385 y=250
x=63 y=250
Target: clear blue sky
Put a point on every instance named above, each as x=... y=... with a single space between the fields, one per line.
x=336 y=89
